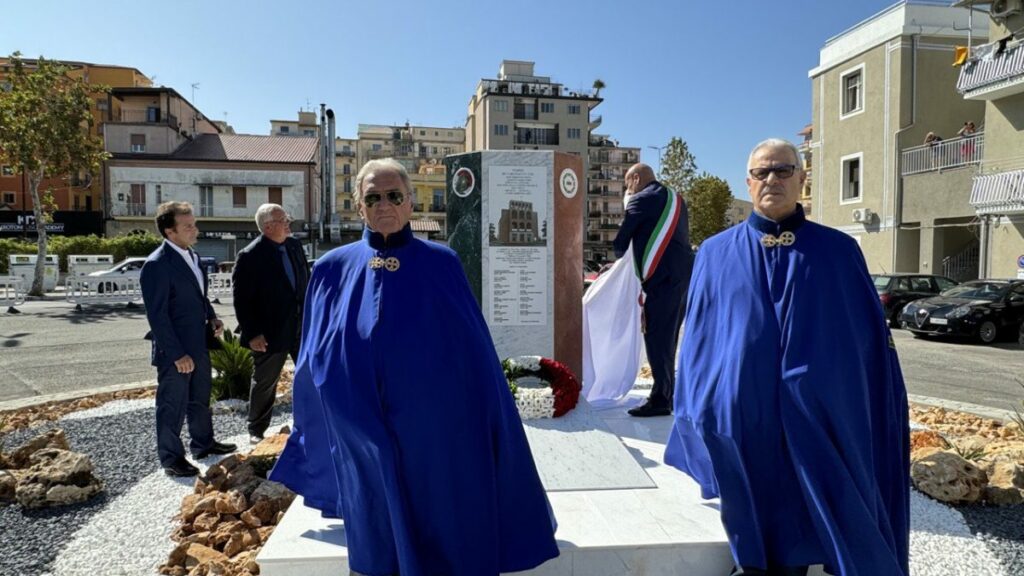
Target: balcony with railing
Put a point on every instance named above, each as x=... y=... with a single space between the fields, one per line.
x=992 y=73
x=1000 y=191
x=539 y=136
x=142 y=209
x=944 y=155
x=148 y=116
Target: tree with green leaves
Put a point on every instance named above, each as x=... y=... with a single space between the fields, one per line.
x=678 y=166
x=45 y=132
x=709 y=200
x=598 y=86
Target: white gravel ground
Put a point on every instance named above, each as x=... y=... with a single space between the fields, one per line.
x=131 y=535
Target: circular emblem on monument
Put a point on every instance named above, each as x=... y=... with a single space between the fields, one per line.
x=463 y=182
x=569 y=183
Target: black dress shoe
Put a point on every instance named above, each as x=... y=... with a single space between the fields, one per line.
x=648 y=409
x=217 y=448
x=181 y=469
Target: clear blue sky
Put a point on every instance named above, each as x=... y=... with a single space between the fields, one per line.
x=720 y=78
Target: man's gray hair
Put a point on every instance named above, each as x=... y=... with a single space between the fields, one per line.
x=778 y=143
x=265 y=213
x=378 y=166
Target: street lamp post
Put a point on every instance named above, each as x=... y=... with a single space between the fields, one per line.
x=659 y=149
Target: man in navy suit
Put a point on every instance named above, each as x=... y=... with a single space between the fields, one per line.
x=180 y=317
x=657 y=225
x=269 y=287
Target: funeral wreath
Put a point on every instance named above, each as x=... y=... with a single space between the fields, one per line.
x=556 y=399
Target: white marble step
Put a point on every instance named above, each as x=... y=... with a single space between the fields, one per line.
x=665 y=530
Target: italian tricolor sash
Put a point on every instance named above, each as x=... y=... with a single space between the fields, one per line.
x=661 y=236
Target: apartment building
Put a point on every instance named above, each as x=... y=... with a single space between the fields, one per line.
x=519 y=110
x=73 y=192
x=608 y=165
x=738 y=212
x=164 y=149
x=421 y=149
x=305 y=126
x=880 y=87
x=993 y=76
x=806 y=158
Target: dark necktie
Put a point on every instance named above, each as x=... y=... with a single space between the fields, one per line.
x=286 y=262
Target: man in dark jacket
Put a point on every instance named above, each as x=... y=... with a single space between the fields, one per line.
x=657 y=225
x=269 y=284
x=181 y=320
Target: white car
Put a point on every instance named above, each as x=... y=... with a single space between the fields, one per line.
x=127 y=269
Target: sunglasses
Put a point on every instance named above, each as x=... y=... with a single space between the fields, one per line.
x=781 y=171
x=396 y=197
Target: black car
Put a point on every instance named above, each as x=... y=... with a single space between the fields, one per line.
x=897 y=290
x=980 y=308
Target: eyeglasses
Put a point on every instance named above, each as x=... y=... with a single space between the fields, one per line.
x=396 y=197
x=285 y=220
x=782 y=171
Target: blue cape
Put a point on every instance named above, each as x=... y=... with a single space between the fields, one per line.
x=404 y=423
x=790 y=404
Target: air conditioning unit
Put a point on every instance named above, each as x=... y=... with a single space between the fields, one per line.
x=1004 y=8
x=862 y=215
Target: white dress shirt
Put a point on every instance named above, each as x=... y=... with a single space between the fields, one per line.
x=192 y=260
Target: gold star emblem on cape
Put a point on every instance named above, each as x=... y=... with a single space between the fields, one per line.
x=785 y=239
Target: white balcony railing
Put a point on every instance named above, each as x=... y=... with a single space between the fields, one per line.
x=937 y=156
x=998 y=193
x=992 y=75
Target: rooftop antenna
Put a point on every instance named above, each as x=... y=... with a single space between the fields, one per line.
x=308 y=105
x=194 y=86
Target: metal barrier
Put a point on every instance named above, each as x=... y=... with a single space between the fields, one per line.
x=218 y=284
x=11 y=293
x=85 y=289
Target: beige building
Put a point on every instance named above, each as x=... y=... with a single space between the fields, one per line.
x=521 y=111
x=346 y=166
x=306 y=125
x=807 y=157
x=608 y=165
x=879 y=89
x=738 y=212
x=421 y=150
x=994 y=77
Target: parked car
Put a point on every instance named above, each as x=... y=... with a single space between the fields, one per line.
x=897 y=290
x=1020 y=337
x=983 y=309
x=129 y=268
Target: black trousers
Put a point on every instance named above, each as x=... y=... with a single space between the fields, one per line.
x=664 y=308
x=177 y=396
x=266 y=372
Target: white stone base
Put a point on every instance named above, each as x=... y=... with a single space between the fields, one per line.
x=668 y=530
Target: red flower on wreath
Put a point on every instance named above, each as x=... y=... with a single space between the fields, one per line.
x=564 y=385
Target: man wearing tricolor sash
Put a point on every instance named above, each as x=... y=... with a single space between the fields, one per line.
x=657 y=226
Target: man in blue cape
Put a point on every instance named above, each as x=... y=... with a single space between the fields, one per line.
x=790 y=404
x=404 y=423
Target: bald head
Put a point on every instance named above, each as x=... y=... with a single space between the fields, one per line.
x=638 y=177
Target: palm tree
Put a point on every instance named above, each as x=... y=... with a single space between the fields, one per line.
x=598 y=85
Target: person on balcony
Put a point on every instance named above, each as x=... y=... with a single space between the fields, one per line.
x=932 y=140
x=967 y=148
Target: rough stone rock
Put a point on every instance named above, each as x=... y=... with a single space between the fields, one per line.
x=279 y=497
x=251 y=520
x=206 y=521
x=947 y=477
x=178 y=555
x=55 y=478
x=231 y=503
x=926 y=438
x=239 y=476
x=197 y=554
x=1006 y=475
x=999 y=496
x=8 y=482
x=969 y=444
x=285 y=430
x=199 y=538
x=263 y=511
x=924 y=452
x=269 y=448
x=21 y=457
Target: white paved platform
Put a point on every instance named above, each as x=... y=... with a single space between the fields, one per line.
x=663 y=530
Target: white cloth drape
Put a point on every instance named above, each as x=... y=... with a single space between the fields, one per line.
x=612 y=343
